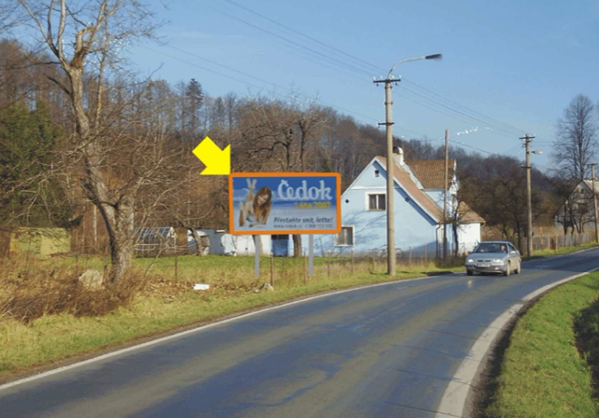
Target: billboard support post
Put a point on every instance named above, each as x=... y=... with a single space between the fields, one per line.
x=284 y=204
x=256 y=255
x=311 y=254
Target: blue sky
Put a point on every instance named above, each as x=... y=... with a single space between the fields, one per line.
x=509 y=67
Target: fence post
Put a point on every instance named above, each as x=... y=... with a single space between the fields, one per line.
x=272 y=270
x=352 y=262
x=305 y=269
x=372 y=259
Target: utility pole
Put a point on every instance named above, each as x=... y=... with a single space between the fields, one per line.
x=527 y=140
x=390 y=176
x=594 y=201
x=445 y=189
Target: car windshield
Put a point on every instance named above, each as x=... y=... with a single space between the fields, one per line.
x=491 y=248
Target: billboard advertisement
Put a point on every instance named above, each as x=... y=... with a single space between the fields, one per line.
x=284 y=203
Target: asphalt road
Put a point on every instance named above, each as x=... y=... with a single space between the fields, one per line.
x=383 y=351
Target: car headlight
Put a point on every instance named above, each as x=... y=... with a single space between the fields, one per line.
x=470 y=261
x=497 y=261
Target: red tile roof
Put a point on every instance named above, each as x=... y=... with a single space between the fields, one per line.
x=406 y=182
x=431 y=173
x=467 y=215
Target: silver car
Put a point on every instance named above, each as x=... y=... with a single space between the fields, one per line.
x=494 y=257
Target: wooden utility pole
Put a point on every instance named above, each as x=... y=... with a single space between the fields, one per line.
x=527 y=140
x=594 y=201
x=445 y=189
x=390 y=173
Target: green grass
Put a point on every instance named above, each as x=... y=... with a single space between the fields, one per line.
x=542 y=374
x=564 y=250
x=53 y=338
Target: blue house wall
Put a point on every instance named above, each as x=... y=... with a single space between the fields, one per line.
x=415 y=229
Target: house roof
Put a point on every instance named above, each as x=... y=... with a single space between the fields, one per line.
x=468 y=215
x=402 y=176
x=589 y=184
x=151 y=232
x=431 y=173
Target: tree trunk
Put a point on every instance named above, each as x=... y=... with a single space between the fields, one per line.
x=455 y=238
x=198 y=240
x=297 y=245
x=120 y=223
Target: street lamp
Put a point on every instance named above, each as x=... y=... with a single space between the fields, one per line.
x=389 y=130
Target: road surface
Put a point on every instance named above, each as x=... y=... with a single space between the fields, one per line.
x=383 y=351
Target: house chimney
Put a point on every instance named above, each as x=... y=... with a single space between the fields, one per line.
x=398 y=155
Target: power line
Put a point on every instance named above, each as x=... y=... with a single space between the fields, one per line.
x=251 y=76
x=498 y=125
x=400 y=134
x=319 y=54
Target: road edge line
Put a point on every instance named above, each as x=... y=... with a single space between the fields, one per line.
x=203 y=328
x=453 y=401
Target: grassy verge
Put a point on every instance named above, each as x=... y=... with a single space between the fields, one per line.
x=542 y=373
x=586 y=326
x=164 y=303
x=564 y=250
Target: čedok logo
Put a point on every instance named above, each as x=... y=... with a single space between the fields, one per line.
x=286 y=192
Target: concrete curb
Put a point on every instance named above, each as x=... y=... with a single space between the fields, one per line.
x=453 y=402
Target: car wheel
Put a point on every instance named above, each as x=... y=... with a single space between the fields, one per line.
x=508 y=270
x=519 y=269
x=469 y=273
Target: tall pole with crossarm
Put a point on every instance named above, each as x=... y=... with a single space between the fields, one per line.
x=389 y=130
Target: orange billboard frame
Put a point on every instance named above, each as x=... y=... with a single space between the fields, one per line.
x=337 y=198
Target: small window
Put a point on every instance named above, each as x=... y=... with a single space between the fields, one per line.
x=376 y=202
x=345 y=237
x=376 y=173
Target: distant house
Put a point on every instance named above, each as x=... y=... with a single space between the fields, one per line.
x=42 y=242
x=418 y=197
x=220 y=242
x=577 y=210
x=152 y=241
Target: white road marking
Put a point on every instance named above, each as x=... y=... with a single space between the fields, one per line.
x=453 y=401
x=199 y=329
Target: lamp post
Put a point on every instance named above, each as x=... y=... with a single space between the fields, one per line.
x=389 y=130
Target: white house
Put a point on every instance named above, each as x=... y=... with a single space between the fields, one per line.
x=418 y=200
x=577 y=211
x=224 y=243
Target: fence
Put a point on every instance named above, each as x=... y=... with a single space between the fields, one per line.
x=555 y=241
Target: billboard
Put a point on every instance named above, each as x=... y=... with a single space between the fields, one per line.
x=284 y=203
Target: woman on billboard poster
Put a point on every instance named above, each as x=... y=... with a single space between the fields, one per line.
x=256 y=208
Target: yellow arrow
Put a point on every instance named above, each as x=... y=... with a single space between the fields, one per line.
x=217 y=161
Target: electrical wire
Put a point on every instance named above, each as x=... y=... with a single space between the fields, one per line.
x=507 y=129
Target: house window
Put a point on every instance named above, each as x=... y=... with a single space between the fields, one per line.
x=345 y=237
x=376 y=202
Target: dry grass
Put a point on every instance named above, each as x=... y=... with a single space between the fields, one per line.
x=36 y=288
x=47 y=316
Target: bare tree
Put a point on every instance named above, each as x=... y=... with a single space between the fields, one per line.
x=575 y=146
x=86 y=38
